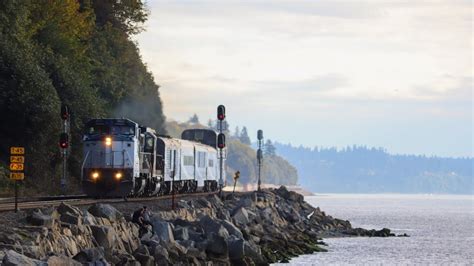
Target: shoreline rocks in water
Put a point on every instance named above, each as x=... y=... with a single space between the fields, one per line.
x=244 y=228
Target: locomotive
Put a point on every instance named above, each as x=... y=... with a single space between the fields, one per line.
x=123 y=158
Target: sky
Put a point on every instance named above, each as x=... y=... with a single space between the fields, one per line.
x=391 y=74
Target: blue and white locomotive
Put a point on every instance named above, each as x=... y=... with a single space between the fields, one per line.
x=122 y=158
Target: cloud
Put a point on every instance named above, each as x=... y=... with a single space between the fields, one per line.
x=326 y=61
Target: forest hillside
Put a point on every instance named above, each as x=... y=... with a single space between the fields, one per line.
x=78 y=53
x=242 y=157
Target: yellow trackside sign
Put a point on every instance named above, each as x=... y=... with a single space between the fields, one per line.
x=17 y=167
x=17 y=150
x=17 y=159
x=17 y=176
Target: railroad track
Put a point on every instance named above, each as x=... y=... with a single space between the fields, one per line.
x=41 y=202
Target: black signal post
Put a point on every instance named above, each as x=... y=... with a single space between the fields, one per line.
x=221 y=143
x=259 y=157
x=64 y=143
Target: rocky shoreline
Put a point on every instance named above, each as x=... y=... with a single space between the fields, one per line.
x=243 y=229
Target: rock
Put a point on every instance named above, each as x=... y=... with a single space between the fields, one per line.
x=142 y=249
x=66 y=208
x=90 y=255
x=217 y=245
x=122 y=258
x=253 y=252
x=236 y=249
x=62 y=260
x=212 y=226
x=105 y=211
x=88 y=219
x=163 y=230
x=145 y=260
x=39 y=219
x=104 y=235
x=13 y=258
x=283 y=192
x=70 y=218
x=160 y=253
x=181 y=233
x=241 y=216
x=232 y=229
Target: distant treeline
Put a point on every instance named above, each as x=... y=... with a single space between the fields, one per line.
x=359 y=169
x=242 y=157
x=78 y=53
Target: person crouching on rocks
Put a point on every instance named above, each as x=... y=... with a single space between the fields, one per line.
x=142 y=218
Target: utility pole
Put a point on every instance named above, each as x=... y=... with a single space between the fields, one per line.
x=64 y=144
x=259 y=158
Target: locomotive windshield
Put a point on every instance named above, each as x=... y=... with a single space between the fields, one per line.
x=110 y=130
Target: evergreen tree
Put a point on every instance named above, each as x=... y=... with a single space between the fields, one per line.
x=237 y=132
x=244 y=136
x=194 y=119
x=269 y=149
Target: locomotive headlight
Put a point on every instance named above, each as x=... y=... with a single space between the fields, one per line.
x=118 y=176
x=95 y=175
x=108 y=141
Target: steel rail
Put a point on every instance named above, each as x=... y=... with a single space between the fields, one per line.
x=33 y=204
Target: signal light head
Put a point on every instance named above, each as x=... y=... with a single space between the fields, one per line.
x=64 y=140
x=221 y=112
x=221 y=141
x=64 y=112
x=108 y=141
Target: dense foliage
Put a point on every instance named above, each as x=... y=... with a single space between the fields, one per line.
x=71 y=52
x=371 y=170
x=242 y=157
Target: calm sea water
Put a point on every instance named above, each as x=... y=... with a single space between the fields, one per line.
x=441 y=229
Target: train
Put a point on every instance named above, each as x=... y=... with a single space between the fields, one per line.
x=124 y=159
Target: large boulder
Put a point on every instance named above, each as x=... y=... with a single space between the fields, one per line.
x=13 y=258
x=232 y=229
x=66 y=208
x=210 y=225
x=241 y=216
x=217 y=245
x=145 y=260
x=37 y=218
x=71 y=218
x=163 y=230
x=236 y=249
x=104 y=235
x=105 y=211
x=61 y=261
x=181 y=233
x=90 y=255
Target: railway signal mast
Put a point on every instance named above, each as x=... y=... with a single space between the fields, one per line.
x=64 y=143
x=221 y=143
x=259 y=157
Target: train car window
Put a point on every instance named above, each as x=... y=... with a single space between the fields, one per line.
x=98 y=130
x=149 y=144
x=122 y=130
x=188 y=160
x=211 y=163
x=201 y=159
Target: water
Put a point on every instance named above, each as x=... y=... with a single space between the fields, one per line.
x=441 y=229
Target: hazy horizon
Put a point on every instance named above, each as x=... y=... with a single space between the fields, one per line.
x=380 y=74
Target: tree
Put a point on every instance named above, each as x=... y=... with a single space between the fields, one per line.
x=269 y=149
x=244 y=136
x=237 y=132
x=194 y=119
